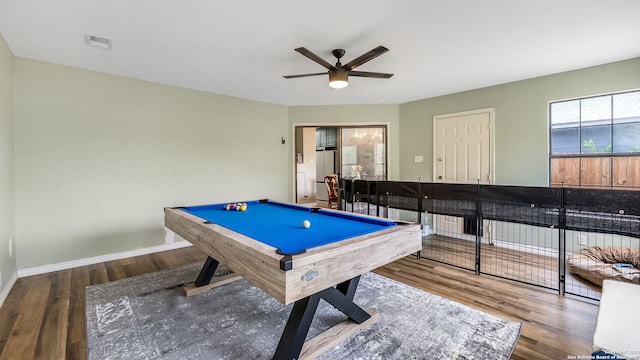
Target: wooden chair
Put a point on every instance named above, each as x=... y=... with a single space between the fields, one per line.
x=331 y=181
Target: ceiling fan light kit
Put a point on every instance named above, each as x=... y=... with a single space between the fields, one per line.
x=338 y=73
x=339 y=78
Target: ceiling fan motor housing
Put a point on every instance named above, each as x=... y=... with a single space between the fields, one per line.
x=338 y=53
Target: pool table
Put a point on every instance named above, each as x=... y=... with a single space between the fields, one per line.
x=268 y=245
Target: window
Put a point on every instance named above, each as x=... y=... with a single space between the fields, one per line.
x=595 y=141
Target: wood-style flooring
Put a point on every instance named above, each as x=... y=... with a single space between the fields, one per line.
x=512 y=263
x=43 y=316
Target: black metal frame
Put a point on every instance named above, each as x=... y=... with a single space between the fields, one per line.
x=207 y=271
x=304 y=310
x=297 y=328
x=577 y=209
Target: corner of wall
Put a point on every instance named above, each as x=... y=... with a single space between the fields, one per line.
x=8 y=263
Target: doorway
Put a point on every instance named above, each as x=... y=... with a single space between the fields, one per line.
x=463 y=150
x=463 y=154
x=351 y=152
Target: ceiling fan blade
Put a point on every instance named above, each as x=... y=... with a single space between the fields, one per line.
x=303 y=75
x=365 y=57
x=370 y=74
x=314 y=57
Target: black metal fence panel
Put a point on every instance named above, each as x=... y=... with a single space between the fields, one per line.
x=534 y=235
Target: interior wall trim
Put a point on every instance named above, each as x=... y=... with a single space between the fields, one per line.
x=7 y=289
x=101 y=258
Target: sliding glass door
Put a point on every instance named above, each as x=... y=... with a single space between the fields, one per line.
x=363 y=153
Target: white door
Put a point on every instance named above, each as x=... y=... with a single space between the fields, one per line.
x=463 y=147
x=463 y=154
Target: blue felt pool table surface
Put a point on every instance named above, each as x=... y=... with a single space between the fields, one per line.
x=280 y=224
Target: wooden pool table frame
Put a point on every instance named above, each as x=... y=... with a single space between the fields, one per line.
x=330 y=272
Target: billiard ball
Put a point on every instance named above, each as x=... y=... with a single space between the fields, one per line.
x=306 y=224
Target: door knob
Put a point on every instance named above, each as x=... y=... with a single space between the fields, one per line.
x=440 y=177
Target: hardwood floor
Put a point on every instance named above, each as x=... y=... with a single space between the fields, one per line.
x=509 y=263
x=43 y=316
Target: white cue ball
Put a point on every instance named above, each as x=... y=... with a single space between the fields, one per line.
x=306 y=224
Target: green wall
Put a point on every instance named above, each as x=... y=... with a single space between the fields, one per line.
x=99 y=156
x=7 y=259
x=521 y=126
x=355 y=115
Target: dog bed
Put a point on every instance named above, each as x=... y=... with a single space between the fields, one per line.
x=596 y=263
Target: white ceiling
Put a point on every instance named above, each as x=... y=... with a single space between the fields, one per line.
x=242 y=48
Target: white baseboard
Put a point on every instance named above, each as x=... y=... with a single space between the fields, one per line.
x=7 y=289
x=539 y=250
x=101 y=258
x=532 y=249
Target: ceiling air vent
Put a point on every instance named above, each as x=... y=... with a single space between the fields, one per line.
x=98 y=41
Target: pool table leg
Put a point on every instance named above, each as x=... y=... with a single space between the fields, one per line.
x=206 y=281
x=297 y=327
x=295 y=332
x=348 y=288
x=207 y=271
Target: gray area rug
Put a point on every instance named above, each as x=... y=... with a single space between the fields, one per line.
x=146 y=317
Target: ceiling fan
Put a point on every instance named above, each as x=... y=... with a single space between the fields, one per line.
x=338 y=73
